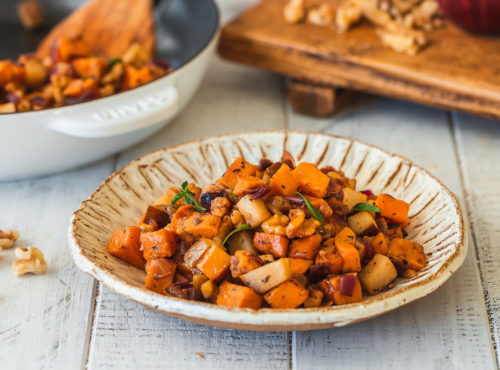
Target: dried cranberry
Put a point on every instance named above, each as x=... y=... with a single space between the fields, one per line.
x=367 y=192
x=347 y=284
x=369 y=250
x=207 y=197
x=264 y=163
x=319 y=272
x=39 y=101
x=190 y=294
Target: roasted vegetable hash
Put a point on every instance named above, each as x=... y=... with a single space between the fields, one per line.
x=280 y=235
x=71 y=75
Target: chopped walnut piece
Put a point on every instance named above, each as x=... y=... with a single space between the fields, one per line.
x=30 y=260
x=403 y=41
x=347 y=15
x=321 y=15
x=8 y=237
x=294 y=11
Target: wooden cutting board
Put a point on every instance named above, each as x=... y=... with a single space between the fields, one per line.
x=456 y=70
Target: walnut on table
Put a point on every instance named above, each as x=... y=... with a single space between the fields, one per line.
x=321 y=15
x=8 y=237
x=30 y=260
x=294 y=11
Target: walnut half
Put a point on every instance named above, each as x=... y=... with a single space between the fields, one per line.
x=30 y=260
x=8 y=237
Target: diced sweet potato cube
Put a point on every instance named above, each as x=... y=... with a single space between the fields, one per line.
x=328 y=254
x=240 y=167
x=305 y=247
x=182 y=213
x=64 y=49
x=353 y=197
x=126 y=244
x=160 y=274
x=331 y=287
x=393 y=209
x=394 y=231
x=155 y=217
x=345 y=242
x=158 y=244
x=199 y=224
x=214 y=263
x=90 y=67
x=377 y=274
x=271 y=243
x=77 y=87
x=311 y=180
x=233 y=295
x=268 y=276
x=246 y=182
x=407 y=253
x=134 y=77
x=380 y=244
x=243 y=262
x=289 y=294
x=299 y=266
x=284 y=182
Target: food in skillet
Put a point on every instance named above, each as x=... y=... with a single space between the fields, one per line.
x=275 y=235
x=72 y=76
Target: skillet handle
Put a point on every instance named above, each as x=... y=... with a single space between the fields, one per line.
x=133 y=114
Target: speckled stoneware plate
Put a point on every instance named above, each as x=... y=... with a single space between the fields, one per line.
x=435 y=222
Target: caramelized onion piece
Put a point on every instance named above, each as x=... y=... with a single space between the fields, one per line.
x=288 y=159
x=347 y=284
x=258 y=192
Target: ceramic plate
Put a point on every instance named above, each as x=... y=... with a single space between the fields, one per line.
x=435 y=222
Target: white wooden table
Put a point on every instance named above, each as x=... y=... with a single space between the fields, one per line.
x=66 y=320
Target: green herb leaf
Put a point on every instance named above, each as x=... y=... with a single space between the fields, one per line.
x=114 y=61
x=176 y=198
x=232 y=195
x=238 y=229
x=188 y=198
x=366 y=207
x=314 y=212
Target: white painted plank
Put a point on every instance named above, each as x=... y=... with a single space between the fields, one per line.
x=126 y=335
x=44 y=318
x=447 y=329
x=129 y=336
x=478 y=142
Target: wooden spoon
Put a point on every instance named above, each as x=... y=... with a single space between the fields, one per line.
x=109 y=27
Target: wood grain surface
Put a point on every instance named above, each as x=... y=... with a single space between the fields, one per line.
x=52 y=321
x=109 y=27
x=456 y=70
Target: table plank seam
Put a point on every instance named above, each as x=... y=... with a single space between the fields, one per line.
x=469 y=219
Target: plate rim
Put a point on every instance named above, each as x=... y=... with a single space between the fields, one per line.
x=268 y=319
